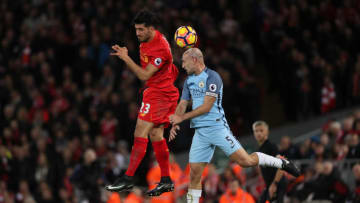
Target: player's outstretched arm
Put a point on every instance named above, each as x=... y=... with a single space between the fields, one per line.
x=173 y=132
x=142 y=74
x=202 y=109
x=180 y=110
x=181 y=107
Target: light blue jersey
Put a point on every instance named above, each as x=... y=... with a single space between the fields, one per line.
x=196 y=87
x=211 y=129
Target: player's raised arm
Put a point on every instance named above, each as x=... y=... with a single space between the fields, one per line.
x=146 y=33
x=142 y=74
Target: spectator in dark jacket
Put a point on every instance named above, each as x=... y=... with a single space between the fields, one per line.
x=88 y=177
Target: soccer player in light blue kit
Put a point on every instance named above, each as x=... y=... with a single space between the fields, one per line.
x=204 y=88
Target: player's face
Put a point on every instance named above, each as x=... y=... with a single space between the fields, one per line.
x=188 y=64
x=261 y=133
x=143 y=33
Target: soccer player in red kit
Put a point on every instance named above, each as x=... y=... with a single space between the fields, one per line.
x=159 y=100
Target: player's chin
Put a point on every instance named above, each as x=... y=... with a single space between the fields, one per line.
x=141 y=39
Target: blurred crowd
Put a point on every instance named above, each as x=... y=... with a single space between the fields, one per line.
x=68 y=109
x=329 y=162
x=312 y=54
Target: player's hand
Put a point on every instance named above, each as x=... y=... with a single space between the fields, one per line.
x=173 y=132
x=272 y=191
x=121 y=52
x=175 y=119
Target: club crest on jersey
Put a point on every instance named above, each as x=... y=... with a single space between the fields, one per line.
x=157 y=61
x=144 y=57
x=212 y=87
x=201 y=84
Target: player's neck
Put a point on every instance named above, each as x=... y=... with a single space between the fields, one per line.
x=152 y=36
x=200 y=69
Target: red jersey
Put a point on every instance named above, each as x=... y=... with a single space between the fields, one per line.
x=158 y=53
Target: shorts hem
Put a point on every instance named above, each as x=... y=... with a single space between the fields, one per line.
x=156 y=124
x=192 y=161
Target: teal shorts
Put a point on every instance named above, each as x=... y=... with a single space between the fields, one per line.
x=207 y=138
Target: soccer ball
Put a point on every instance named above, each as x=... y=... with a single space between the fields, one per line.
x=185 y=36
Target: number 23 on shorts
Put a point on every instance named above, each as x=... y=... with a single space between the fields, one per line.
x=145 y=107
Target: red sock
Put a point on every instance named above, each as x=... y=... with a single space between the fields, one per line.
x=162 y=156
x=137 y=154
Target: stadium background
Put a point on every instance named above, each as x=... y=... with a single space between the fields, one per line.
x=68 y=109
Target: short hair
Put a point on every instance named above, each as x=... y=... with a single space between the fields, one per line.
x=194 y=52
x=258 y=123
x=146 y=17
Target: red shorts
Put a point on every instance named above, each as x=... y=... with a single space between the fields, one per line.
x=157 y=106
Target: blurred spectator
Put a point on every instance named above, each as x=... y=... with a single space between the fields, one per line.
x=87 y=177
x=335 y=132
x=348 y=125
x=328 y=95
x=352 y=141
x=329 y=185
x=5 y=195
x=153 y=177
x=226 y=177
x=287 y=149
x=45 y=193
x=236 y=194
x=43 y=170
x=302 y=187
x=356 y=172
x=114 y=197
x=356 y=126
x=305 y=150
x=24 y=194
x=136 y=196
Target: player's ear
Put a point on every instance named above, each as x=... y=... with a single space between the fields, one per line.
x=151 y=28
x=194 y=59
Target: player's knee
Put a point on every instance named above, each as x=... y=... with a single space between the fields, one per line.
x=156 y=134
x=153 y=133
x=143 y=129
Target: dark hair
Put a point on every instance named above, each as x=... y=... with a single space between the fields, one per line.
x=146 y=17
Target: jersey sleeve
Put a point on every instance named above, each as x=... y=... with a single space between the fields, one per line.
x=185 y=95
x=213 y=84
x=158 y=58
